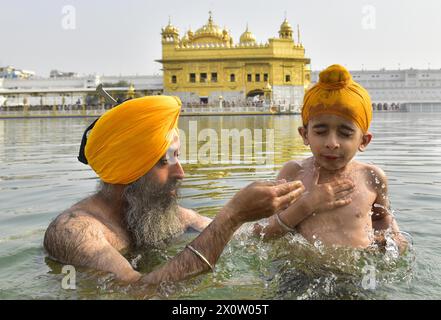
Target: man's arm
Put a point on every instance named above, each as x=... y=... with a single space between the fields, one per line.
x=257 y=200
x=77 y=238
x=210 y=243
x=382 y=218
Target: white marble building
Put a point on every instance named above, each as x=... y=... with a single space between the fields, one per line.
x=405 y=90
x=71 y=90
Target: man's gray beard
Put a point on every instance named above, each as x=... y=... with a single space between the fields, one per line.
x=151 y=212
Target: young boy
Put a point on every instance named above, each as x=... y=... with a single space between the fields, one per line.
x=345 y=202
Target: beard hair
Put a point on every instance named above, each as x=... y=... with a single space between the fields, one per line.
x=152 y=212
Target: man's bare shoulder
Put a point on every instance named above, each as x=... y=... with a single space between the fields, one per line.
x=77 y=237
x=73 y=220
x=73 y=230
x=292 y=169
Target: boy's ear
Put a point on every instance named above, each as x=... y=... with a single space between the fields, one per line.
x=367 y=137
x=303 y=131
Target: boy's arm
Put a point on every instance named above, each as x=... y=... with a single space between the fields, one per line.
x=382 y=218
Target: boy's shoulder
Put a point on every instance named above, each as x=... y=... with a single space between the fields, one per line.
x=292 y=168
x=371 y=169
x=374 y=175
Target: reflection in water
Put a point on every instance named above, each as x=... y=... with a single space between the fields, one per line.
x=40 y=177
x=2 y=135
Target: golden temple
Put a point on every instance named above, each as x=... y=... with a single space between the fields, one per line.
x=207 y=66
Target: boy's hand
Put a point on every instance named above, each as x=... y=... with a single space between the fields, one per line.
x=328 y=196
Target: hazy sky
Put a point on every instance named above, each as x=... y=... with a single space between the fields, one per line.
x=123 y=37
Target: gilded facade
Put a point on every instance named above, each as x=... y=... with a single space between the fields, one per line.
x=207 y=66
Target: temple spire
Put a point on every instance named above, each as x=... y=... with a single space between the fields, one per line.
x=298 y=34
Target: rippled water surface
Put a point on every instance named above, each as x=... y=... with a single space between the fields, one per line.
x=40 y=177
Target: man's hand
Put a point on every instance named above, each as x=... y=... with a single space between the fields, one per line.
x=262 y=199
x=328 y=196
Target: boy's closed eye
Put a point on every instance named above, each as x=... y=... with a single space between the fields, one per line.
x=320 y=129
x=346 y=131
x=320 y=132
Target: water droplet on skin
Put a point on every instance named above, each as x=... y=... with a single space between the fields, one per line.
x=377 y=205
x=318 y=244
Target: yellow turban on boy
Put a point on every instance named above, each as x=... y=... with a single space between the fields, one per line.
x=336 y=93
x=128 y=140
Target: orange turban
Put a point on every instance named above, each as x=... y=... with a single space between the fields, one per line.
x=128 y=140
x=336 y=93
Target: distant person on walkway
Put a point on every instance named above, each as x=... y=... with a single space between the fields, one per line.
x=346 y=202
x=134 y=149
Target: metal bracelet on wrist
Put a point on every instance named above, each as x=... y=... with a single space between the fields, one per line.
x=284 y=225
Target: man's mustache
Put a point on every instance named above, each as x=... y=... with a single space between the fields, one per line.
x=168 y=187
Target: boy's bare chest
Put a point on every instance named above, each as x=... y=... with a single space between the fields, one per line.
x=358 y=211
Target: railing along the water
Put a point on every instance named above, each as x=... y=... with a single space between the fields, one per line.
x=92 y=111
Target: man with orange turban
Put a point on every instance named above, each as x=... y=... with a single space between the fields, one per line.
x=346 y=202
x=134 y=150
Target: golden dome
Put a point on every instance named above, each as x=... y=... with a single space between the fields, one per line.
x=170 y=29
x=247 y=37
x=285 y=31
x=209 y=32
x=185 y=39
x=188 y=36
x=285 y=26
x=170 y=33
